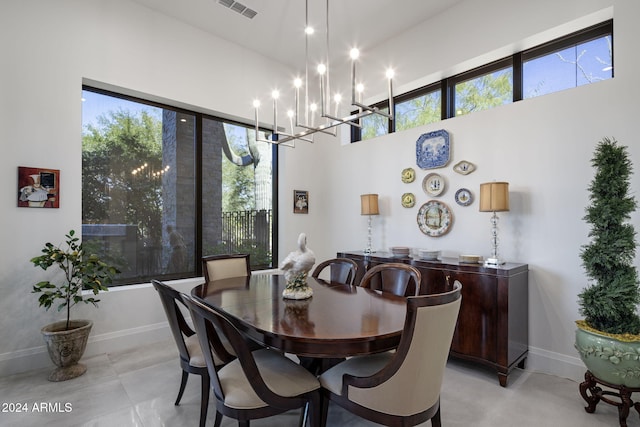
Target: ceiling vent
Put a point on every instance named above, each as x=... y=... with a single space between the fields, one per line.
x=238 y=7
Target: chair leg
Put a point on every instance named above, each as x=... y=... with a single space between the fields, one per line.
x=304 y=413
x=314 y=410
x=218 y=420
x=435 y=420
x=183 y=384
x=324 y=410
x=244 y=423
x=204 y=399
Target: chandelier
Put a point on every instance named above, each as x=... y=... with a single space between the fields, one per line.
x=302 y=124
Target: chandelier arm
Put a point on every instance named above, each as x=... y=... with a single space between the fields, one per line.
x=332 y=133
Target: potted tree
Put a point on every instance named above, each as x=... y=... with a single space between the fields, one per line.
x=607 y=339
x=66 y=340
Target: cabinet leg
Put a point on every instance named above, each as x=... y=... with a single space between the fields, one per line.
x=503 y=378
x=522 y=364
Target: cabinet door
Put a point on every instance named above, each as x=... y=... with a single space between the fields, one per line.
x=476 y=331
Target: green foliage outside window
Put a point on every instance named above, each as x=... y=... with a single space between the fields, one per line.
x=484 y=92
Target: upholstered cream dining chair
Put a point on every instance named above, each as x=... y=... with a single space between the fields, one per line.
x=218 y=267
x=400 y=388
x=257 y=384
x=192 y=360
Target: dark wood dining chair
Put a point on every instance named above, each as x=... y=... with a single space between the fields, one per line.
x=217 y=267
x=341 y=270
x=396 y=278
x=192 y=360
x=258 y=384
x=400 y=388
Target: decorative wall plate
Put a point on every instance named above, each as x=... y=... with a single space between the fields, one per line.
x=432 y=150
x=433 y=184
x=408 y=200
x=408 y=175
x=464 y=167
x=434 y=218
x=464 y=197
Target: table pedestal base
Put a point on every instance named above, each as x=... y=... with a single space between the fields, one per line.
x=592 y=394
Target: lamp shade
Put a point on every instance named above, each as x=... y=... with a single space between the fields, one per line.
x=494 y=197
x=369 y=204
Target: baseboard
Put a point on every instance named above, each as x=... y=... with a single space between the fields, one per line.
x=36 y=357
x=560 y=365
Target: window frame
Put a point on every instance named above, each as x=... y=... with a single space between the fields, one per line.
x=198 y=176
x=515 y=61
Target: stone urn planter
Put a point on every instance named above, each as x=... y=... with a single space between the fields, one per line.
x=66 y=347
x=612 y=358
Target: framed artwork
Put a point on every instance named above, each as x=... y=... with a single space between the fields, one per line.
x=38 y=188
x=300 y=201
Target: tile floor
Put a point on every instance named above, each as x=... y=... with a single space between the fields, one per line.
x=138 y=388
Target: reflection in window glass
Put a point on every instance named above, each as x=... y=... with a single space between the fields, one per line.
x=575 y=66
x=139 y=185
x=374 y=125
x=418 y=111
x=237 y=193
x=484 y=92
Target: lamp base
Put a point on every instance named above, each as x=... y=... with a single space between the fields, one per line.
x=489 y=262
x=368 y=251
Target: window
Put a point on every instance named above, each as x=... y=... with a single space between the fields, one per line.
x=375 y=125
x=163 y=186
x=569 y=67
x=574 y=60
x=487 y=90
x=417 y=109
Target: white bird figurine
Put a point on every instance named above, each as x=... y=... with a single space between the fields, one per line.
x=298 y=262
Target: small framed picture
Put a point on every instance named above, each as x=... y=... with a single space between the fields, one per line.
x=38 y=188
x=300 y=201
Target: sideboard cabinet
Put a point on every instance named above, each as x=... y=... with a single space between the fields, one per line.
x=493 y=324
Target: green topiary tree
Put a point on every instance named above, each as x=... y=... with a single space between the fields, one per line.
x=610 y=302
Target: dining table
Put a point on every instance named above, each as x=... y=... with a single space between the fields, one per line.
x=337 y=321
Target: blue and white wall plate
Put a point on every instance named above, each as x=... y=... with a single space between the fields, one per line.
x=432 y=149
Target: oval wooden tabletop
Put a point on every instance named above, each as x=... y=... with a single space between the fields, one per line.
x=337 y=321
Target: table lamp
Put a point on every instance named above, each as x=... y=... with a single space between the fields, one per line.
x=369 y=207
x=494 y=197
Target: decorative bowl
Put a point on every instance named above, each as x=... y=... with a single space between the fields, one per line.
x=400 y=251
x=428 y=255
x=470 y=259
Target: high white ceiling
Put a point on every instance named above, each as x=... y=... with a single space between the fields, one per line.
x=277 y=29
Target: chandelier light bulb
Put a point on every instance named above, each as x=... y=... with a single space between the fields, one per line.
x=326 y=112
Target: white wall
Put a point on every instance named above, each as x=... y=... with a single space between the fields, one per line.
x=541 y=146
x=47 y=49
